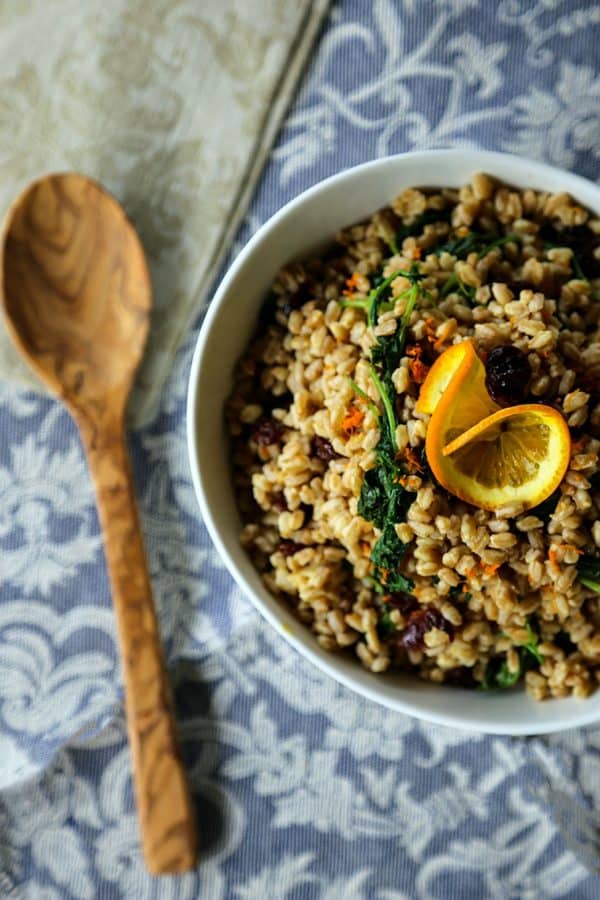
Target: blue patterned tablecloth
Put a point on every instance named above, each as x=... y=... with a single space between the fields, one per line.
x=304 y=790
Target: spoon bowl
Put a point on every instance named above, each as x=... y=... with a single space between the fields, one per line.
x=77 y=298
x=76 y=289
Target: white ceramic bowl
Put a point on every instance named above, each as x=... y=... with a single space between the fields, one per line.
x=301 y=227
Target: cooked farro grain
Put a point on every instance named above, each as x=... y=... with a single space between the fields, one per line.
x=486 y=598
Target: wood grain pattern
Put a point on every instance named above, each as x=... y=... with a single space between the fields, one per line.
x=77 y=296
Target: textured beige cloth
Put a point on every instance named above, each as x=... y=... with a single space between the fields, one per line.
x=173 y=105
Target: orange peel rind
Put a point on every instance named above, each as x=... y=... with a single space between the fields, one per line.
x=487 y=456
x=441 y=373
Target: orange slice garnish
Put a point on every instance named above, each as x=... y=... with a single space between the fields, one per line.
x=441 y=374
x=485 y=455
x=518 y=455
x=459 y=401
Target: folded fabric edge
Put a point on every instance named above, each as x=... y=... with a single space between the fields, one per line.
x=146 y=403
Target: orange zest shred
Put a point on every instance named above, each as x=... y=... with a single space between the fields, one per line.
x=411 y=461
x=416 y=253
x=353 y=420
x=430 y=333
x=351 y=284
x=490 y=569
x=563 y=547
x=553 y=554
x=553 y=559
x=472 y=572
x=418 y=370
x=430 y=327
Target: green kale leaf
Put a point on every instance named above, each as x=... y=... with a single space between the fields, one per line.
x=385 y=626
x=497 y=674
x=588 y=571
x=415 y=228
x=475 y=242
x=386 y=557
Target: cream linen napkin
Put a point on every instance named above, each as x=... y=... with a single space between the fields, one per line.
x=173 y=105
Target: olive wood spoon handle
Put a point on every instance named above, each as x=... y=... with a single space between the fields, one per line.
x=164 y=805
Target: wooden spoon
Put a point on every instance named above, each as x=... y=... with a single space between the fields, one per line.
x=77 y=297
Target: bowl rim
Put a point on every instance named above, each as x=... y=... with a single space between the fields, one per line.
x=275 y=614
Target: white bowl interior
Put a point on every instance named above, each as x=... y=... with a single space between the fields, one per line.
x=295 y=231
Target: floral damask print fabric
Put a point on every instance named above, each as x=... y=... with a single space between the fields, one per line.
x=517 y=76
x=305 y=791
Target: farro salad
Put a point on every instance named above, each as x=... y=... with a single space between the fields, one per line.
x=416 y=434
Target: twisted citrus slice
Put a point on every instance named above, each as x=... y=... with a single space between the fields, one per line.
x=517 y=455
x=455 y=393
x=485 y=455
x=442 y=372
